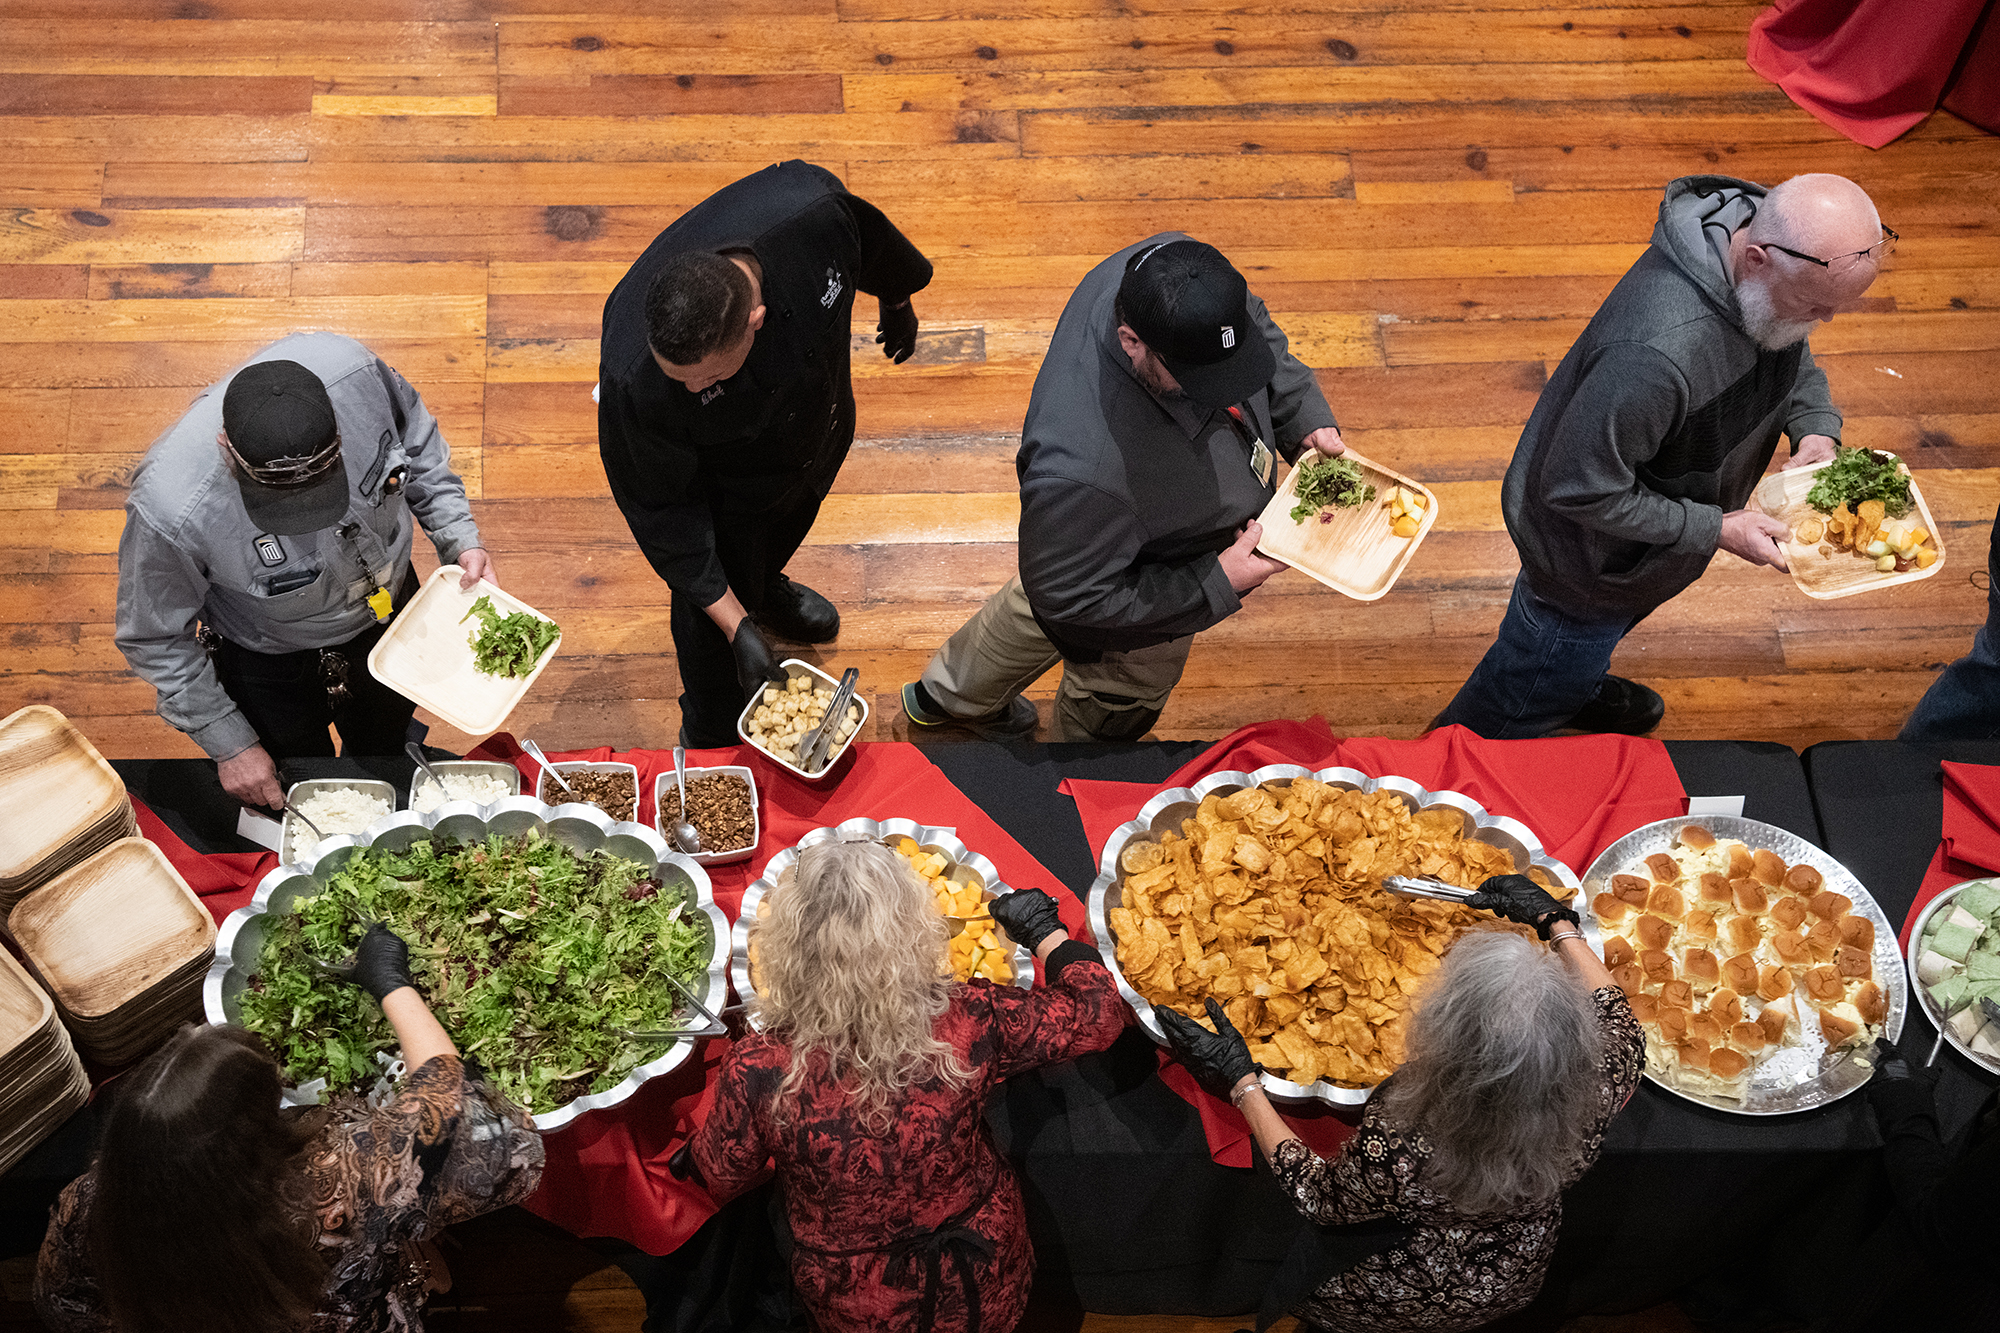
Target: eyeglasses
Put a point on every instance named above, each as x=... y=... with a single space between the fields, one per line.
x=287 y=473
x=1879 y=251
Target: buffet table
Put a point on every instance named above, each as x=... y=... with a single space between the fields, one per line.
x=1130 y=1210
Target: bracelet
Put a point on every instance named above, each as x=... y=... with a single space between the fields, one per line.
x=1555 y=939
x=1236 y=1097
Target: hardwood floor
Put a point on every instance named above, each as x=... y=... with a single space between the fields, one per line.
x=1433 y=196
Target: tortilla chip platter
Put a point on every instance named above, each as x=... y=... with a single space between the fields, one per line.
x=1263 y=890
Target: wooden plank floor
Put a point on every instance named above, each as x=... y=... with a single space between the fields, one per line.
x=1433 y=195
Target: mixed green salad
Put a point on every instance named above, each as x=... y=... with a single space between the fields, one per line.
x=531 y=955
x=1328 y=481
x=508 y=645
x=1857 y=475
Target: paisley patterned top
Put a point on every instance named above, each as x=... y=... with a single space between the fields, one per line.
x=930 y=1206
x=444 y=1149
x=1457 y=1271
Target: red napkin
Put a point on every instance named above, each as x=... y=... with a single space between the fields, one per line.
x=1970 y=848
x=1577 y=794
x=223 y=882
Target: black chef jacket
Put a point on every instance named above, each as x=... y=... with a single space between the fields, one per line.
x=772 y=437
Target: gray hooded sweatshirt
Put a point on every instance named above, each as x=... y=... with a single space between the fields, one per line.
x=1660 y=420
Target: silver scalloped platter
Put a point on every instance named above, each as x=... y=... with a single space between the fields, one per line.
x=967 y=867
x=581 y=827
x=1943 y=903
x=1166 y=811
x=1776 y=1092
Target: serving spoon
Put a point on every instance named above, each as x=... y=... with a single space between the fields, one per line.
x=685 y=833
x=416 y=752
x=535 y=751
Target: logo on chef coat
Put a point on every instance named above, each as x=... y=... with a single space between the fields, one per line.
x=834 y=287
x=1229 y=335
x=710 y=394
x=269 y=550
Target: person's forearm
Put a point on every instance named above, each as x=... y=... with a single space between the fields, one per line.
x=419 y=1033
x=1569 y=943
x=1266 y=1126
x=727 y=613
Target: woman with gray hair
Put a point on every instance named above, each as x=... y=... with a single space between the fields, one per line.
x=1517 y=1059
x=867 y=1085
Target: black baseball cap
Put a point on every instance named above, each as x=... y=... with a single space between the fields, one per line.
x=1191 y=307
x=282 y=433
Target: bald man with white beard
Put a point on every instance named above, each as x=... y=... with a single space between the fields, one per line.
x=1641 y=454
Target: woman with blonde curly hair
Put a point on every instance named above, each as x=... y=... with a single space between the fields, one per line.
x=865 y=1090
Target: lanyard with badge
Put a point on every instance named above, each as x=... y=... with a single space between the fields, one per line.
x=1261 y=458
x=381 y=601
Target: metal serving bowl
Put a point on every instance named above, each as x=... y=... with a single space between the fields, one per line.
x=239 y=948
x=967 y=867
x=1166 y=812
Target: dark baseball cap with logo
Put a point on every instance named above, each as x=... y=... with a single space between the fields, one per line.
x=1191 y=307
x=286 y=444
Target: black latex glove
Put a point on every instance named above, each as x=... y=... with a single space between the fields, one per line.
x=1519 y=898
x=1891 y=1067
x=1218 y=1060
x=1028 y=916
x=897 y=332
x=381 y=963
x=755 y=667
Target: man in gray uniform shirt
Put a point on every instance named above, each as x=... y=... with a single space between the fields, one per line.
x=278 y=513
x=1146 y=456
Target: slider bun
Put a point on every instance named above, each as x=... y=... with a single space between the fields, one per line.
x=1715 y=888
x=1803 y=880
x=1823 y=939
x=1830 y=906
x=1872 y=1003
x=1618 y=952
x=1653 y=932
x=1728 y=1064
x=1853 y=963
x=1789 y=911
x=1740 y=860
x=1699 y=927
x=1706 y=1027
x=1631 y=888
x=1775 y=983
x=1697 y=837
x=1839 y=1031
x=1741 y=973
x=1790 y=948
x=1727 y=1006
x=1777 y=1017
x=1751 y=900
x=1645 y=1007
x=1657 y=965
x=1610 y=908
x=1857 y=931
x=1748 y=1037
x=1664 y=869
x=1744 y=933
x=1701 y=969
x=1824 y=984
x=1673 y=1024
x=1676 y=995
x=1767 y=867
x=1692 y=1053
x=1629 y=978
x=1666 y=901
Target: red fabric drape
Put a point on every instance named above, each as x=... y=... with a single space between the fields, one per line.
x=1872 y=69
x=1971 y=845
x=1577 y=794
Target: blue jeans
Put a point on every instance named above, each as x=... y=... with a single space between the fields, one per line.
x=1542 y=669
x=1963 y=704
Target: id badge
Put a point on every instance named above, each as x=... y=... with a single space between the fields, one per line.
x=1260 y=461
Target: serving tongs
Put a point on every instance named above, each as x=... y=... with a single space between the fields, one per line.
x=813 y=757
x=713 y=1027
x=1414 y=886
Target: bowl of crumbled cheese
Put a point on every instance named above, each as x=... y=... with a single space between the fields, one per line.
x=335 y=806
x=480 y=781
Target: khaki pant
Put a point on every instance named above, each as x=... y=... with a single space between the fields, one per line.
x=1001 y=651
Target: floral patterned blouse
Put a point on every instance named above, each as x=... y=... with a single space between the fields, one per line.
x=922 y=1228
x=1457 y=1271
x=444 y=1149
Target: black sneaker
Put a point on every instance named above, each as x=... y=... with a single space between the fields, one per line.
x=1017 y=721
x=1621 y=707
x=794 y=611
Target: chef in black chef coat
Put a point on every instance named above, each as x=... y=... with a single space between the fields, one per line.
x=725 y=408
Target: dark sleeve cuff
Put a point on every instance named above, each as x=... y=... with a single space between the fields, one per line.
x=1069 y=951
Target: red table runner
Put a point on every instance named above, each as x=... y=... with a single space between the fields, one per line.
x=223 y=881
x=1577 y=794
x=1971 y=844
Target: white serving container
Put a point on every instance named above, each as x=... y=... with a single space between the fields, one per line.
x=665 y=783
x=794 y=668
x=426 y=655
x=445 y=767
x=590 y=766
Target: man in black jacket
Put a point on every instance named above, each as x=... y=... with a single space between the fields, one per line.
x=1146 y=456
x=725 y=409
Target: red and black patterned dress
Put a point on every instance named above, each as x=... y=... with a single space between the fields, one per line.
x=445 y=1148
x=929 y=1214
x=1458 y=1270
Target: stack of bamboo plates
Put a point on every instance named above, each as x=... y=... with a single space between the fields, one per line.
x=59 y=801
x=42 y=1083
x=122 y=944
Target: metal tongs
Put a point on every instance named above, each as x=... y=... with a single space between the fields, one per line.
x=1412 y=886
x=712 y=1028
x=820 y=744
